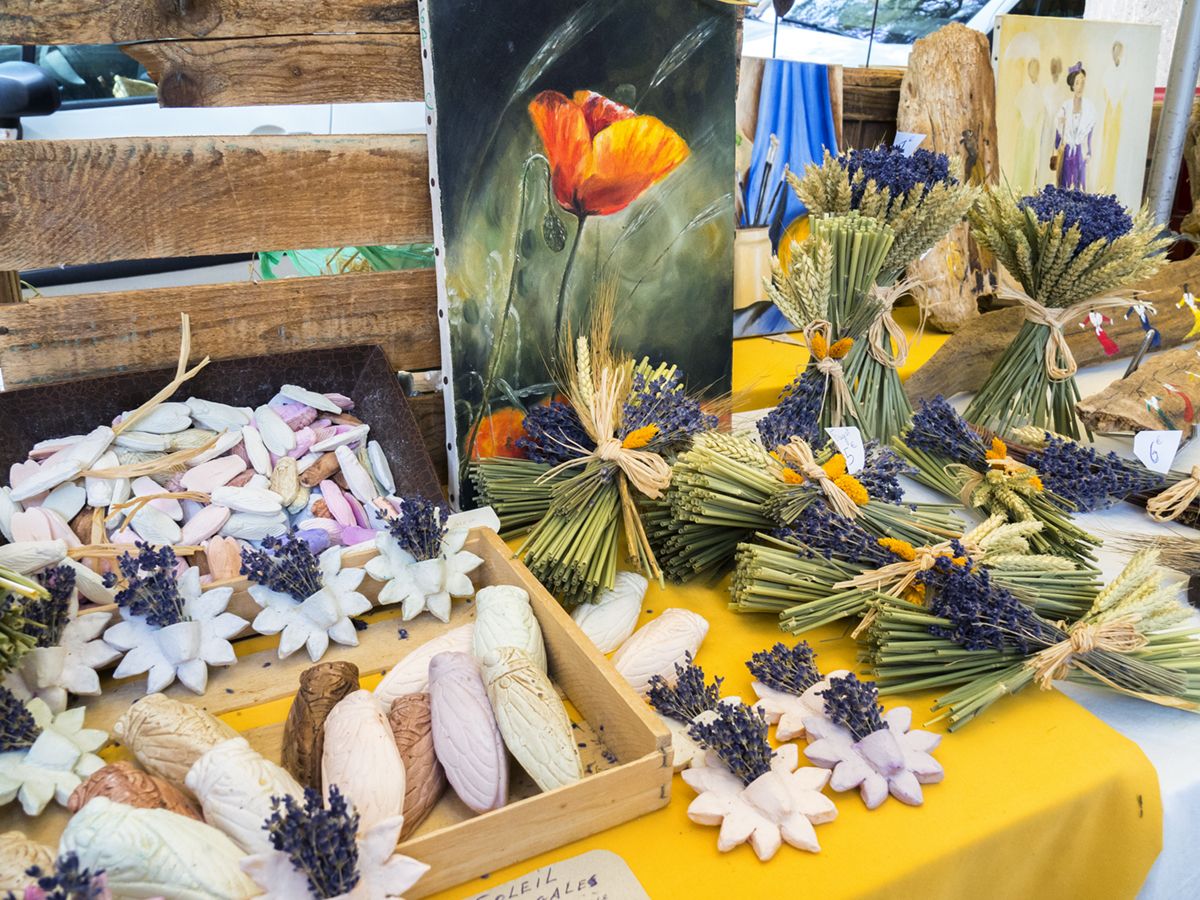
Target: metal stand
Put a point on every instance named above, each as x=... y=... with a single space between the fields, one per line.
x=1177 y=110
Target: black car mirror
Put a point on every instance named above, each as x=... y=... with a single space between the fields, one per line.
x=26 y=90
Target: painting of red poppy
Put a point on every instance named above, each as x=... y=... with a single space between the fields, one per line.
x=578 y=149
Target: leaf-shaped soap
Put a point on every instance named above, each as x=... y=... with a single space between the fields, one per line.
x=504 y=618
x=532 y=718
x=612 y=618
x=361 y=758
x=234 y=784
x=411 y=674
x=424 y=777
x=17 y=854
x=465 y=733
x=321 y=687
x=167 y=736
x=156 y=853
x=122 y=782
x=656 y=647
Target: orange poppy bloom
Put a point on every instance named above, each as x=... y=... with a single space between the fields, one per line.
x=498 y=435
x=603 y=156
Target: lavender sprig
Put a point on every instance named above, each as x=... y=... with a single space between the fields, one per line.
x=659 y=397
x=1089 y=480
x=821 y=532
x=881 y=472
x=688 y=697
x=285 y=564
x=797 y=414
x=891 y=169
x=788 y=669
x=1099 y=217
x=937 y=428
x=738 y=736
x=151 y=590
x=67 y=881
x=420 y=527
x=18 y=730
x=46 y=619
x=854 y=705
x=551 y=434
x=981 y=614
x=319 y=841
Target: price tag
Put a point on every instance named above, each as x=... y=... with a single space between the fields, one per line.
x=849 y=441
x=908 y=141
x=1157 y=449
x=595 y=875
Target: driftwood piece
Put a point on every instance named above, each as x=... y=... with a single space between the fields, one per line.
x=424 y=778
x=1191 y=155
x=1168 y=381
x=122 y=782
x=321 y=687
x=964 y=361
x=949 y=95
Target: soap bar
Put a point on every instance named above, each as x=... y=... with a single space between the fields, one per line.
x=360 y=756
x=465 y=733
x=321 y=688
x=424 y=777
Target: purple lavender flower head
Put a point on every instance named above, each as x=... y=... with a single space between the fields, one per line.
x=659 y=398
x=891 y=169
x=854 y=705
x=151 y=589
x=936 y=428
x=738 y=736
x=792 y=670
x=1099 y=217
x=881 y=472
x=797 y=414
x=689 y=696
x=45 y=619
x=1087 y=479
x=818 y=531
x=285 y=564
x=420 y=527
x=553 y=434
x=18 y=731
x=981 y=614
x=66 y=881
x=319 y=840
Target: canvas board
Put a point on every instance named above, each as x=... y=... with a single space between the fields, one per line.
x=585 y=142
x=1073 y=102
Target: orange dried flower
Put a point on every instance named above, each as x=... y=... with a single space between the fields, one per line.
x=853 y=488
x=818 y=345
x=998 y=451
x=835 y=466
x=841 y=347
x=791 y=476
x=640 y=437
x=902 y=549
x=1035 y=482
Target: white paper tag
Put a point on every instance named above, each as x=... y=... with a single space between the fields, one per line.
x=908 y=141
x=1157 y=449
x=595 y=875
x=849 y=441
x=483 y=517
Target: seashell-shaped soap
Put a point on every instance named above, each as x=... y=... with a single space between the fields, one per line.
x=504 y=618
x=411 y=674
x=361 y=757
x=532 y=718
x=17 y=854
x=234 y=784
x=465 y=734
x=656 y=647
x=167 y=736
x=321 y=688
x=122 y=782
x=156 y=853
x=611 y=619
x=424 y=777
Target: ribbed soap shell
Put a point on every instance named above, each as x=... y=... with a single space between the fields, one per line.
x=274 y=431
x=322 y=687
x=504 y=618
x=425 y=780
x=122 y=782
x=17 y=854
x=167 y=736
x=611 y=619
x=361 y=757
x=234 y=784
x=532 y=718
x=411 y=674
x=656 y=647
x=465 y=733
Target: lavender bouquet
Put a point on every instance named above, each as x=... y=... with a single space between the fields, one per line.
x=1072 y=253
x=920 y=197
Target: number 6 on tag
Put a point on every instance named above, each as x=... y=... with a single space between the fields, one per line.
x=1156 y=449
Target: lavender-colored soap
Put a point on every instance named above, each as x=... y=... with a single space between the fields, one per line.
x=465 y=734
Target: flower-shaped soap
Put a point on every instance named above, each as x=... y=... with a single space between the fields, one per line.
x=869 y=749
x=170 y=628
x=309 y=599
x=789 y=687
x=69 y=648
x=752 y=794
x=320 y=854
x=422 y=561
x=44 y=757
x=682 y=702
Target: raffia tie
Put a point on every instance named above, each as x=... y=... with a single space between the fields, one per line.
x=1170 y=504
x=974 y=480
x=797 y=455
x=1119 y=635
x=885 y=330
x=902 y=573
x=832 y=370
x=646 y=471
x=1056 y=320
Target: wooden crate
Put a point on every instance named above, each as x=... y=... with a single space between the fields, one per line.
x=626 y=747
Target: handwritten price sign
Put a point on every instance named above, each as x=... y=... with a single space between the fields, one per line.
x=850 y=444
x=1156 y=449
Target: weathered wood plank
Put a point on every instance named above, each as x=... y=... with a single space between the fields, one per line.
x=114 y=21
x=341 y=68
x=67 y=202
x=10 y=287
x=870 y=99
x=964 y=361
x=430 y=412
x=53 y=339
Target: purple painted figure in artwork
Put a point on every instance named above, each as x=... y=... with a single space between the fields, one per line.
x=1073 y=129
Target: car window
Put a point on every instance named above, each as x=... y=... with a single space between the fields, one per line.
x=87 y=73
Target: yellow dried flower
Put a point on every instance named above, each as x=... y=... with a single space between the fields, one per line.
x=1035 y=482
x=820 y=349
x=791 y=476
x=998 y=451
x=640 y=437
x=915 y=593
x=902 y=549
x=841 y=347
x=835 y=466
x=853 y=489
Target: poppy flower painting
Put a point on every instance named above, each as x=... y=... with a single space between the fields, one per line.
x=579 y=149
